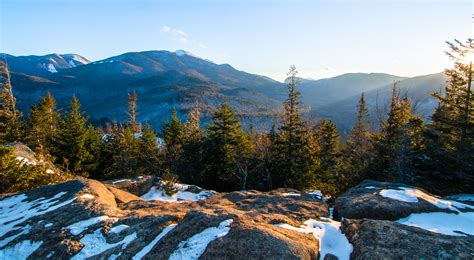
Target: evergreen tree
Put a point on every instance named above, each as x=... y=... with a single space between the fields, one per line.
x=192 y=128
x=76 y=143
x=43 y=125
x=226 y=151
x=399 y=143
x=291 y=166
x=450 y=136
x=10 y=117
x=174 y=138
x=358 y=146
x=329 y=155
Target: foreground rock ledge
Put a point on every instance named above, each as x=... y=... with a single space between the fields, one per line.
x=85 y=218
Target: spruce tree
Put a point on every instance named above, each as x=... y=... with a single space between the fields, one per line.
x=76 y=143
x=329 y=155
x=291 y=165
x=174 y=138
x=42 y=125
x=226 y=151
x=358 y=146
x=10 y=117
x=450 y=136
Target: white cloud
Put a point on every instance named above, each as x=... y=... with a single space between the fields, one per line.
x=174 y=34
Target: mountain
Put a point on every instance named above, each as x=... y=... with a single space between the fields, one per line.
x=43 y=65
x=166 y=80
x=163 y=80
x=317 y=93
x=419 y=89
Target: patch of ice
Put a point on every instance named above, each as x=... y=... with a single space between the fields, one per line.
x=16 y=209
x=79 y=227
x=51 y=68
x=156 y=193
x=148 y=247
x=20 y=250
x=118 y=229
x=330 y=237
x=195 y=246
x=411 y=195
x=87 y=196
x=48 y=225
x=442 y=222
x=95 y=244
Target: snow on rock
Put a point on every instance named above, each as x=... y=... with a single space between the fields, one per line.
x=158 y=193
x=20 y=250
x=16 y=209
x=462 y=197
x=370 y=187
x=23 y=160
x=453 y=224
x=95 y=244
x=195 y=246
x=52 y=69
x=330 y=237
x=148 y=247
x=118 y=229
x=411 y=195
x=79 y=227
x=86 y=196
x=23 y=230
x=288 y=194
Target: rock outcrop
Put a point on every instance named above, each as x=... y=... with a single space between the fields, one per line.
x=380 y=239
x=385 y=201
x=86 y=218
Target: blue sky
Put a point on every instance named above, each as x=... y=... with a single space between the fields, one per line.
x=322 y=38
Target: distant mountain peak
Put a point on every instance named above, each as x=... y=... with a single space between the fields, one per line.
x=183 y=52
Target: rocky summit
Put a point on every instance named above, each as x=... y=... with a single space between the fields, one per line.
x=138 y=219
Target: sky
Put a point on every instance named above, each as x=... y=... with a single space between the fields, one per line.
x=321 y=38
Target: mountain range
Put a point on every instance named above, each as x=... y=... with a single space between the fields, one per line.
x=167 y=80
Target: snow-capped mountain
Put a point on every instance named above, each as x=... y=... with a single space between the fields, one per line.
x=43 y=65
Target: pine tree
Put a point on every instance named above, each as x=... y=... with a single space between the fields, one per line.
x=450 y=136
x=399 y=142
x=291 y=166
x=76 y=143
x=226 y=151
x=358 y=146
x=43 y=125
x=174 y=138
x=329 y=155
x=192 y=128
x=10 y=117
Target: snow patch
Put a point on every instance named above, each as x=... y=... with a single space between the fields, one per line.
x=195 y=246
x=148 y=247
x=370 y=187
x=20 y=250
x=24 y=160
x=48 y=225
x=118 y=229
x=330 y=237
x=79 y=227
x=462 y=197
x=288 y=194
x=16 y=209
x=95 y=244
x=51 y=68
x=156 y=193
x=442 y=222
x=24 y=230
x=411 y=195
x=87 y=196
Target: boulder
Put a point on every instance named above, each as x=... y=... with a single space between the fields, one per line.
x=381 y=239
x=366 y=201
